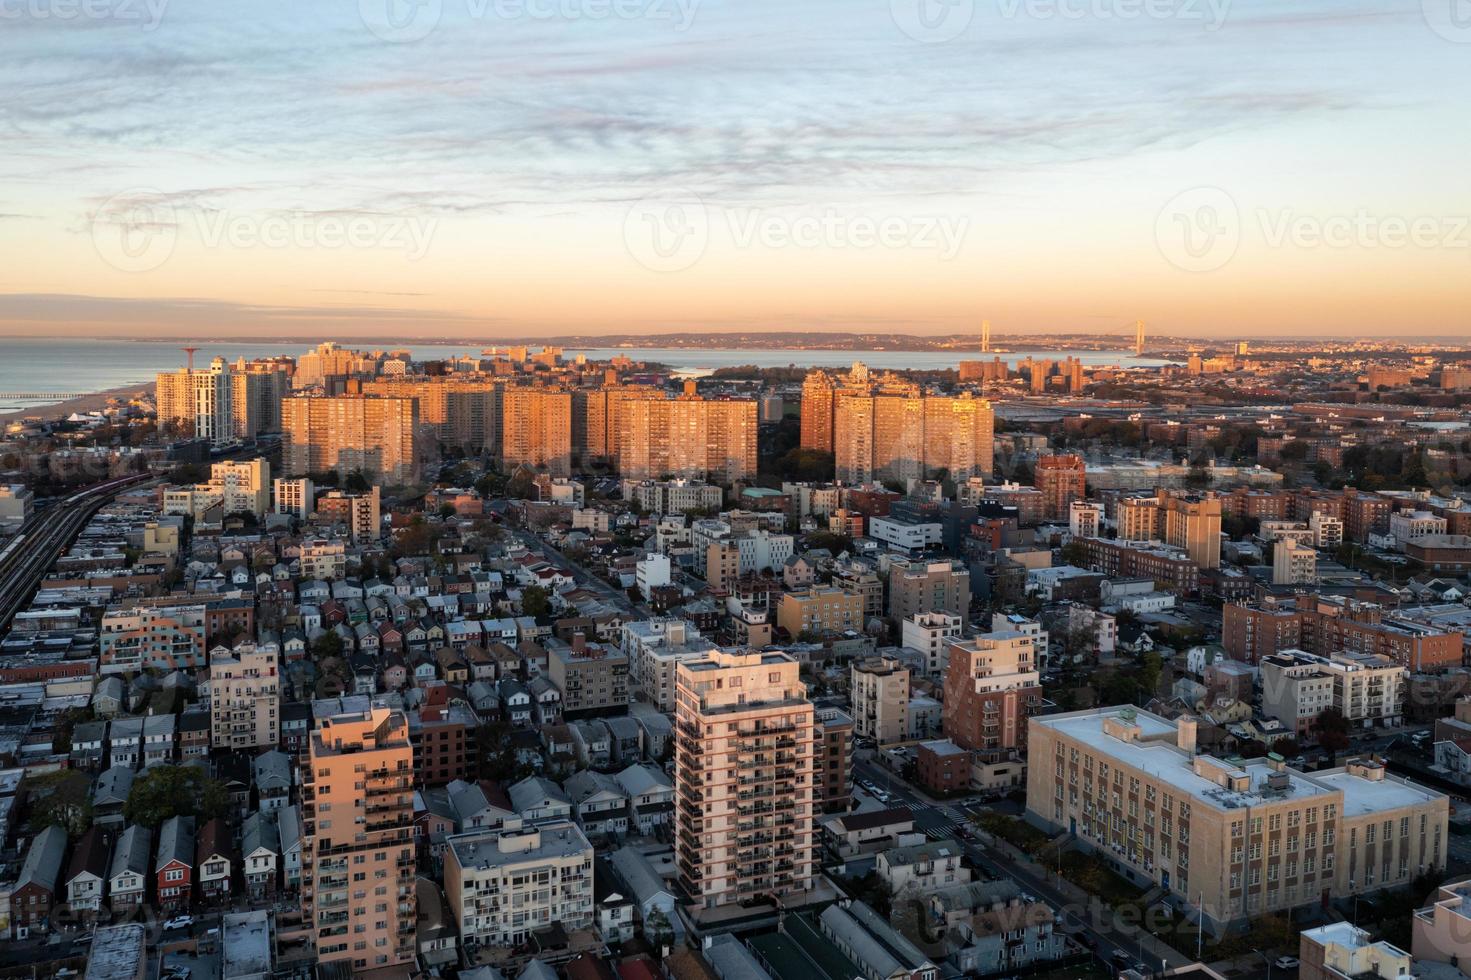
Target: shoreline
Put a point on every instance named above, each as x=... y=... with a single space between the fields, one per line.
x=92 y=402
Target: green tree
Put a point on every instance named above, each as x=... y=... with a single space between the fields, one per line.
x=161 y=792
x=60 y=799
x=357 y=482
x=327 y=646
x=1333 y=730
x=535 y=601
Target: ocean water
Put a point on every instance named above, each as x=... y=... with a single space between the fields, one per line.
x=47 y=367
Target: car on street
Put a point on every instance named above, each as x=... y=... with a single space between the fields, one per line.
x=1285 y=963
x=179 y=922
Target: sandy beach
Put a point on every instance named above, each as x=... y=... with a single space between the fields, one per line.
x=86 y=403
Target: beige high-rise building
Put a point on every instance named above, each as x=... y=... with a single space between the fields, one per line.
x=507 y=883
x=464 y=411
x=197 y=403
x=378 y=436
x=536 y=429
x=907 y=435
x=744 y=776
x=357 y=866
x=927 y=586
x=1193 y=523
x=1293 y=563
x=256 y=391
x=1235 y=839
x=687 y=437
x=880 y=697
x=245 y=698
x=817 y=411
x=1188 y=521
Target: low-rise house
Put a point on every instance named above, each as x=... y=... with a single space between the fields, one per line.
x=650 y=797
x=260 y=854
x=288 y=832
x=89 y=743
x=107 y=700
x=159 y=739
x=538 y=800
x=922 y=868
x=655 y=900
x=86 y=876
x=110 y=795
x=35 y=890
x=859 y=833
x=616 y=910
x=625 y=740
x=174 y=866
x=214 y=860
x=515 y=702
x=272 y=773
x=194 y=728
x=127 y=875
x=594 y=745
x=125 y=742
x=601 y=805
x=546 y=700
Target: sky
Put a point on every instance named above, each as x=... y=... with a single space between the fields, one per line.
x=510 y=169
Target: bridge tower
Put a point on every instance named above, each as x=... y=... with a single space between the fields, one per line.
x=985 y=336
x=1139 y=338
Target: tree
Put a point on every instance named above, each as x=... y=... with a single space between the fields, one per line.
x=357 y=482
x=61 y=799
x=835 y=543
x=327 y=646
x=1333 y=730
x=161 y=792
x=535 y=601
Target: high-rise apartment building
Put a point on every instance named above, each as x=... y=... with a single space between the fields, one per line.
x=880 y=697
x=687 y=436
x=1062 y=479
x=878 y=435
x=536 y=429
x=358 y=867
x=197 y=403
x=817 y=411
x=377 y=436
x=462 y=410
x=833 y=761
x=1191 y=522
x=744 y=779
x=245 y=698
x=1233 y=839
x=991 y=687
x=222 y=402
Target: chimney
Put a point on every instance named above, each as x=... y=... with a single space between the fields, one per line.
x=1186 y=728
x=579 y=641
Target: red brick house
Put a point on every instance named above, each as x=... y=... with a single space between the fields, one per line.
x=174 y=865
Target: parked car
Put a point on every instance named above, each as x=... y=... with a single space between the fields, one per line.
x=179 y=922
x=1286 y=963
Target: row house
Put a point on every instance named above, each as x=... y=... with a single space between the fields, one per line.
x=173 y=867
x=86 y=877
x=600 y=803
x=127 y=874
x=260 y=852
x=213 y=861
x=650 y=796
x=34 y=892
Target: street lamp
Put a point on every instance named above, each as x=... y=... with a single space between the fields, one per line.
x=1266 y=961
